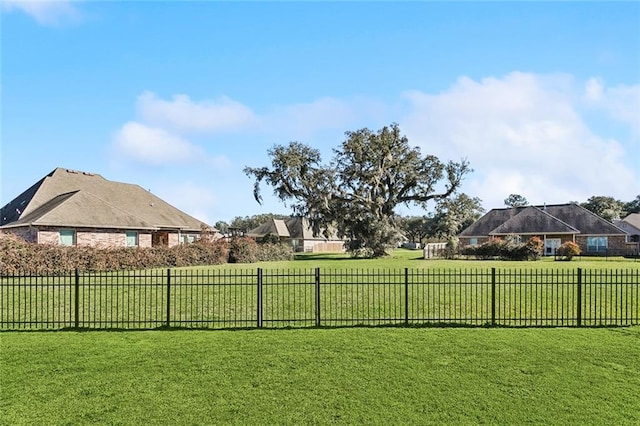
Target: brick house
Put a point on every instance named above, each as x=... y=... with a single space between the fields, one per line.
x=554 y=225
x=297 y=232
x=69 y=207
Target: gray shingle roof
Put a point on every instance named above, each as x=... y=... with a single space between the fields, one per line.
x=560 y=218
x=66 y=198
x=271 y=227
x=300 y=228
x=633 y=219
x=532 y=220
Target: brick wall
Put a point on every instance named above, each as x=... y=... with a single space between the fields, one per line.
x=47 y=236
x=100 y=238
x=466 y=241
x=174 y=240
x=26 y=233
x=144 y=239
x=615 y=243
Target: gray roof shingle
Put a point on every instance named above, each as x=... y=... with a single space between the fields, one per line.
x=560 y=218
x=76 y=199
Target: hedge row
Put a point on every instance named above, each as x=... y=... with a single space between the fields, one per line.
x=506 y=250
x=18 y=256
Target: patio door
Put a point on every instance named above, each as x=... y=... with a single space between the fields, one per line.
x=551 y=245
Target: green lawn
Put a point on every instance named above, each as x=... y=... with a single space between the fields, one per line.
x=404 y=258
x=322 y=376
x=352 y=292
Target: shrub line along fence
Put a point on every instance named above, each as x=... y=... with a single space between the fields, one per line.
x=320 y=297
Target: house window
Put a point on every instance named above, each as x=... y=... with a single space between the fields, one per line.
x=551 y=245
x=513 y=238
x=187 y=238
x=132 y=239
x=67 y=237
x=473 y=241
x=597 y=244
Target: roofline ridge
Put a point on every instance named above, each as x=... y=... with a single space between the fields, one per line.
x=555 y=218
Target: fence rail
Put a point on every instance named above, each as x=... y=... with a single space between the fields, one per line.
x=320 y=297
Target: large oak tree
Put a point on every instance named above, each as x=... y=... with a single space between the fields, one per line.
x=370 y=175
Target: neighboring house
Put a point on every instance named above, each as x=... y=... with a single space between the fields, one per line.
x=276 y=227
x=631 y=226
x=554 y=224
x=69 y=207
x=297 y=232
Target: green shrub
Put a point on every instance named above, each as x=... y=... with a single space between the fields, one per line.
x=243 y=250
x=19 y=257
x=507 y=249
x=274 y=252
x=568 y=250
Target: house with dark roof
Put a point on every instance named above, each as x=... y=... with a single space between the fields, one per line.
x=298 y=232
x=68 y=207
x=553 y=224
x=630 y=225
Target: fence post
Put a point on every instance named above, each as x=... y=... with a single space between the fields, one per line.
x=317 y=285
x=493 y=296
x=579 y=299
x=76 y=301
x=406 y=296
x=168 y=297
x=259 y=302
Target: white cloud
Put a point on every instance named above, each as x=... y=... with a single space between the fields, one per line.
x=522 y=134
x=45 y=12
x=622 y=102
x=154 y=146
x=191 y=198
x=183 y=114
x=304 y=120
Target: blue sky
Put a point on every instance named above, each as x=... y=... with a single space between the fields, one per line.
x=542 y=98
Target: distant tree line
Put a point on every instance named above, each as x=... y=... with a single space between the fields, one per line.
x=451 y=216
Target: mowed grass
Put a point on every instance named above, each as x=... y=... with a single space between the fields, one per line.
x=374 y=375
x=405 y=258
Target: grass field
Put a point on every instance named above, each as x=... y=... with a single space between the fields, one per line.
x=352 y=291
x=322 y=376
x=404 y=258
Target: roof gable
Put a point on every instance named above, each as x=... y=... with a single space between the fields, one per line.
x=633 y=219
x=271 y=227
x=560 y=218
x=99 y=203
x=532 y=220
x=300 y=228
x=490 y=221
x=585 y=221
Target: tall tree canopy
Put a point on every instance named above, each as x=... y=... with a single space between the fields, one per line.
x=455 y=214
x=606 y=207
x=371 y=173
x=516 y=200
x=417 y=228
x=632 y=206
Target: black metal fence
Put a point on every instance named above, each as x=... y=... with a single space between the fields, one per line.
x=320 y=297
